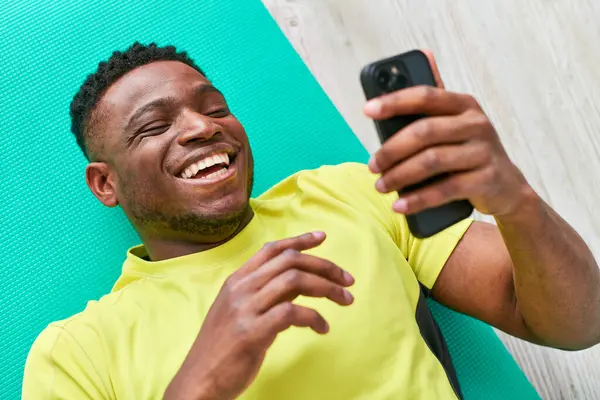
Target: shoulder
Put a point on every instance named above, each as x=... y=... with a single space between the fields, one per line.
x=344 y=171
x=347 y=189
x=342 y=181
x=354 y=184
x=68 y=358
x=80 y=333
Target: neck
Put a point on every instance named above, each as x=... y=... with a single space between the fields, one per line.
x=162 y=248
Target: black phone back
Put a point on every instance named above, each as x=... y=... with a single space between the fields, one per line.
x=396 y=73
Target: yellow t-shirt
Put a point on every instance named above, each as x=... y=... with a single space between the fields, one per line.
x=130 y=343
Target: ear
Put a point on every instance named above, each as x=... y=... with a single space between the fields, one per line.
x=434 y=67
x=101 y=181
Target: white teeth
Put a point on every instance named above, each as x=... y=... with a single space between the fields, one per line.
x=220 y=158
x=194 y=169
x=224 y=158
x=216 y=174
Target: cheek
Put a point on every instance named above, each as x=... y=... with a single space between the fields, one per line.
x=142 y=174
x=147 y=161
x=141 y=190
x=235 y=127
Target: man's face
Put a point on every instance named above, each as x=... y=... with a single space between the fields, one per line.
x=181 y=162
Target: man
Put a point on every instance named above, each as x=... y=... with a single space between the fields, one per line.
x=216 y=302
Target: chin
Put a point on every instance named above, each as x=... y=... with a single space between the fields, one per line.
x=226 y=208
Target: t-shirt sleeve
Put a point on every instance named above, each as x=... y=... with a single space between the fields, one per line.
x=58 y=367
x=426 y=257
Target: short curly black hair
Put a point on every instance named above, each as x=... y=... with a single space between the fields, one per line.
x=119 y=64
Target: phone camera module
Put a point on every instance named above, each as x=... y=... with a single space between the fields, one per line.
x=390 y=78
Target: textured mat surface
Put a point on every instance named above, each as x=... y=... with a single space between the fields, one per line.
x=59 y=247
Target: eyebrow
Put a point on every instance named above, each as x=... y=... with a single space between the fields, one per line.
x=167 y=101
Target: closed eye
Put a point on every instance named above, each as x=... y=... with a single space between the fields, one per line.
x=220 y=113
x=154 y=130
x=148 y=131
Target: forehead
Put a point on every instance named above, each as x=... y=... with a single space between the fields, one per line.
x=146 y=83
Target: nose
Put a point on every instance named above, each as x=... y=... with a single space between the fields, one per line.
x=196 y=126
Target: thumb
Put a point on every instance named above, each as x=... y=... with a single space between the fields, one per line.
x=434 y=67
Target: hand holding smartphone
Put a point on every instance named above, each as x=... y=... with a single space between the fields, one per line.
x=397 y=73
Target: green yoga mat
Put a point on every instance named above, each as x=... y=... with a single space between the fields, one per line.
x=59 y=247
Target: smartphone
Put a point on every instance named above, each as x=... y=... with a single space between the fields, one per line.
x=397 y=73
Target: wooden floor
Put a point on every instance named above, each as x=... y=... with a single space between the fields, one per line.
x=533 y=64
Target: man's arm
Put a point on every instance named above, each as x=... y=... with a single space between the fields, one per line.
x=533 y=277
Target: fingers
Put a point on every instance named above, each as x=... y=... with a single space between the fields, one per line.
x=433 y=162
x=422 y=134
x=293 y=283
x=419 y=100
x=455 y=187
x=279 y=273
x=293 y=259
x=273 y=249
x=284 y=315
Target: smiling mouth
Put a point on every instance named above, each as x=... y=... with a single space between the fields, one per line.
x=216 y=167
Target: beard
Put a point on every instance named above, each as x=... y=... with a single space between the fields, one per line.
x=187 y=225
x=159 y=220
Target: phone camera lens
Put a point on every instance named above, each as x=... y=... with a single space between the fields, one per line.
x=383 y=78
x=401 y=82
